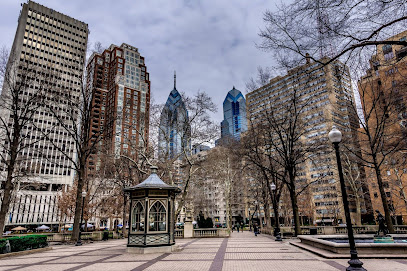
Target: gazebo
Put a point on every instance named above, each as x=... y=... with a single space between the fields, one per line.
x=152 y=216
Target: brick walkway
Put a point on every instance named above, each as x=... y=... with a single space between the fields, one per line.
x=243 y=251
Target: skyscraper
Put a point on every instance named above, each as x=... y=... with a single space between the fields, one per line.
x=234 y=115
x=121 y=87
x=51 y=45
x=323 y=97
x=384 y=97
x=175 y=130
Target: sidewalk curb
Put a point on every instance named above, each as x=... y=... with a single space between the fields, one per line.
x=26 y=252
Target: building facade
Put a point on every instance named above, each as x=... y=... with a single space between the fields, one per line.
x=234 y=115
x=324 y=98
x=234 y=118
x=174 y=139
x=213 y=189
x=51 y=45
x=121 y=96
x=120 y=86
x=384 y=99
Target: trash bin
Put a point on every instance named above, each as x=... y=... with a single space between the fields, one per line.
x=105 y=236
x=313 y=231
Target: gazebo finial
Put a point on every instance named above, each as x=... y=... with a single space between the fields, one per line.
x=154 y=169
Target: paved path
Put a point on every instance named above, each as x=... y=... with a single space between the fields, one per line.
x=243 y=251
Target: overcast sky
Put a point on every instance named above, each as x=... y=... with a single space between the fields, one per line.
x=211 y=44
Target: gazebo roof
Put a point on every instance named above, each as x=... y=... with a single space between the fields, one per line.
x=153 y=182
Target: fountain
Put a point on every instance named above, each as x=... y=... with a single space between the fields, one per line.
x=381 y=245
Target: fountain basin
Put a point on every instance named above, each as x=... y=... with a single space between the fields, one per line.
x=364 y=244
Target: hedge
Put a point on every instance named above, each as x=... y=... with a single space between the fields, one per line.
x=2 y=245
x=21 y=243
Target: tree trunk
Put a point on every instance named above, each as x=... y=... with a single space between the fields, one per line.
x=267 y=215
x=184 y=193
x=358 y=212
x=386 y=208
x=276 y=217
x=124 y=215
x=8 y=189
x=404 y=198
x=294 y=205
x=8 y=186
x=78 y=205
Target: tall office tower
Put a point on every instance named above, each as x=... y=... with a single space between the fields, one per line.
x=174 y=137
x=323 y=95
x=234 y=115
x=121 y=95
x=384 y=98
x=51 y=45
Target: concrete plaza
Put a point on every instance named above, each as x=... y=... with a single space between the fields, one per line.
x=242 y=251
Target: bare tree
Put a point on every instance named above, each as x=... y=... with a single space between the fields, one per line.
x=24 y=88
x=263 y=77
x=283 y=129
x=348 y=30
x=74 y=117
x=381 y=135
x=396 y=176
x=66 y=205
x=356 y=182
x=226 y=168
x=195 y=128
x=337 y=29
x=263 y=163
x=98 y=47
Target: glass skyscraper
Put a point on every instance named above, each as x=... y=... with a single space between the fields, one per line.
x=234 y=115
x=175 y=129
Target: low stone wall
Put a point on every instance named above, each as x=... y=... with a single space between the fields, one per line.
x=206 y=233
x=201 y=233
x=179 y=233
x=330 y=230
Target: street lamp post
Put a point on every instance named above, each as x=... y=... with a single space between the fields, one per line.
x=250 y=221
x=335 y=136
x=277 y=222
x=79 y=242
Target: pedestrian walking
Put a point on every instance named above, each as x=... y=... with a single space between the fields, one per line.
x=255 y=230
x=237 y=226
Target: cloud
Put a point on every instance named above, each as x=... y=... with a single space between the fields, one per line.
x=211 y=44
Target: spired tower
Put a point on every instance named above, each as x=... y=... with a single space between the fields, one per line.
x=234 y=115
x=174 y=139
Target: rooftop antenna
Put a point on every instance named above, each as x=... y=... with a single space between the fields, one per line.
x=175 y=80
x=325 y=32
